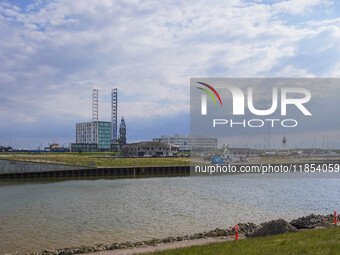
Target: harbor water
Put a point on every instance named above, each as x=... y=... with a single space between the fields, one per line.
x=38 y=215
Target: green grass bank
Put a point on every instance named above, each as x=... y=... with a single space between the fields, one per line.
x=316 y=241
x=99 y=159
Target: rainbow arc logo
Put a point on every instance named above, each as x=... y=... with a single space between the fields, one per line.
x=204 y=97
x=209 y=93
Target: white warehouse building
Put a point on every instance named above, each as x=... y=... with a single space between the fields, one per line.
x=188 y=142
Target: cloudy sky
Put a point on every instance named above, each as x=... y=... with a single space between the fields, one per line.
x=53 y=53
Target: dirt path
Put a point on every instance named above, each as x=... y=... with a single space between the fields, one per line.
x=167 y=246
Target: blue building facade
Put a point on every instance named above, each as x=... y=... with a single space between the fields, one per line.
x=104 y=135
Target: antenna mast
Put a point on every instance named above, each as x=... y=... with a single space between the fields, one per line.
x=114 y=106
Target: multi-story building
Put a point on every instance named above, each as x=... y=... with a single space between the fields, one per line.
x=190 y=142
x=203 y=143
x=93 y=136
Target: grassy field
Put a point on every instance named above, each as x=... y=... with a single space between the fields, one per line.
x=100 y=159
x=318 y=241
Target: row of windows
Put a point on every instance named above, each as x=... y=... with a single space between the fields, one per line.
x=150 y=148
x=84 y=145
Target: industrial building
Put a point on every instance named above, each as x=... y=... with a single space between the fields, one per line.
x=190 y=142
x=203 y=143
x=95 y=132
x=54 y=147
x=149 y=149
x=100 y=136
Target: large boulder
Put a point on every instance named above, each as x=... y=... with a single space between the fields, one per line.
x=247 y=228
x=273 y=227
x=312 y=221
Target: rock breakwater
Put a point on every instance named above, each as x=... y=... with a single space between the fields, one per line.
x=248 y=229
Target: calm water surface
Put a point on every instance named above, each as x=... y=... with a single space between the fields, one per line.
x=46 y=215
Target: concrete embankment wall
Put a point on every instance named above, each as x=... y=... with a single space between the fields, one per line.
x=24 y=169
x=16 y=167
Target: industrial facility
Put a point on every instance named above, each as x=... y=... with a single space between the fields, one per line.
x=100 y=136
x=103 y=136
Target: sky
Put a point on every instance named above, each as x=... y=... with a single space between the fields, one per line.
x=53 y=53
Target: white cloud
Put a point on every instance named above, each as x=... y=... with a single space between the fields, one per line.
x=300 y=6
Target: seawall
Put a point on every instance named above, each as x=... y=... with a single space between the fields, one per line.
x=25 y=169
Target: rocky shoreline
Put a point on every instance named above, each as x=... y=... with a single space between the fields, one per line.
x=249 y=229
